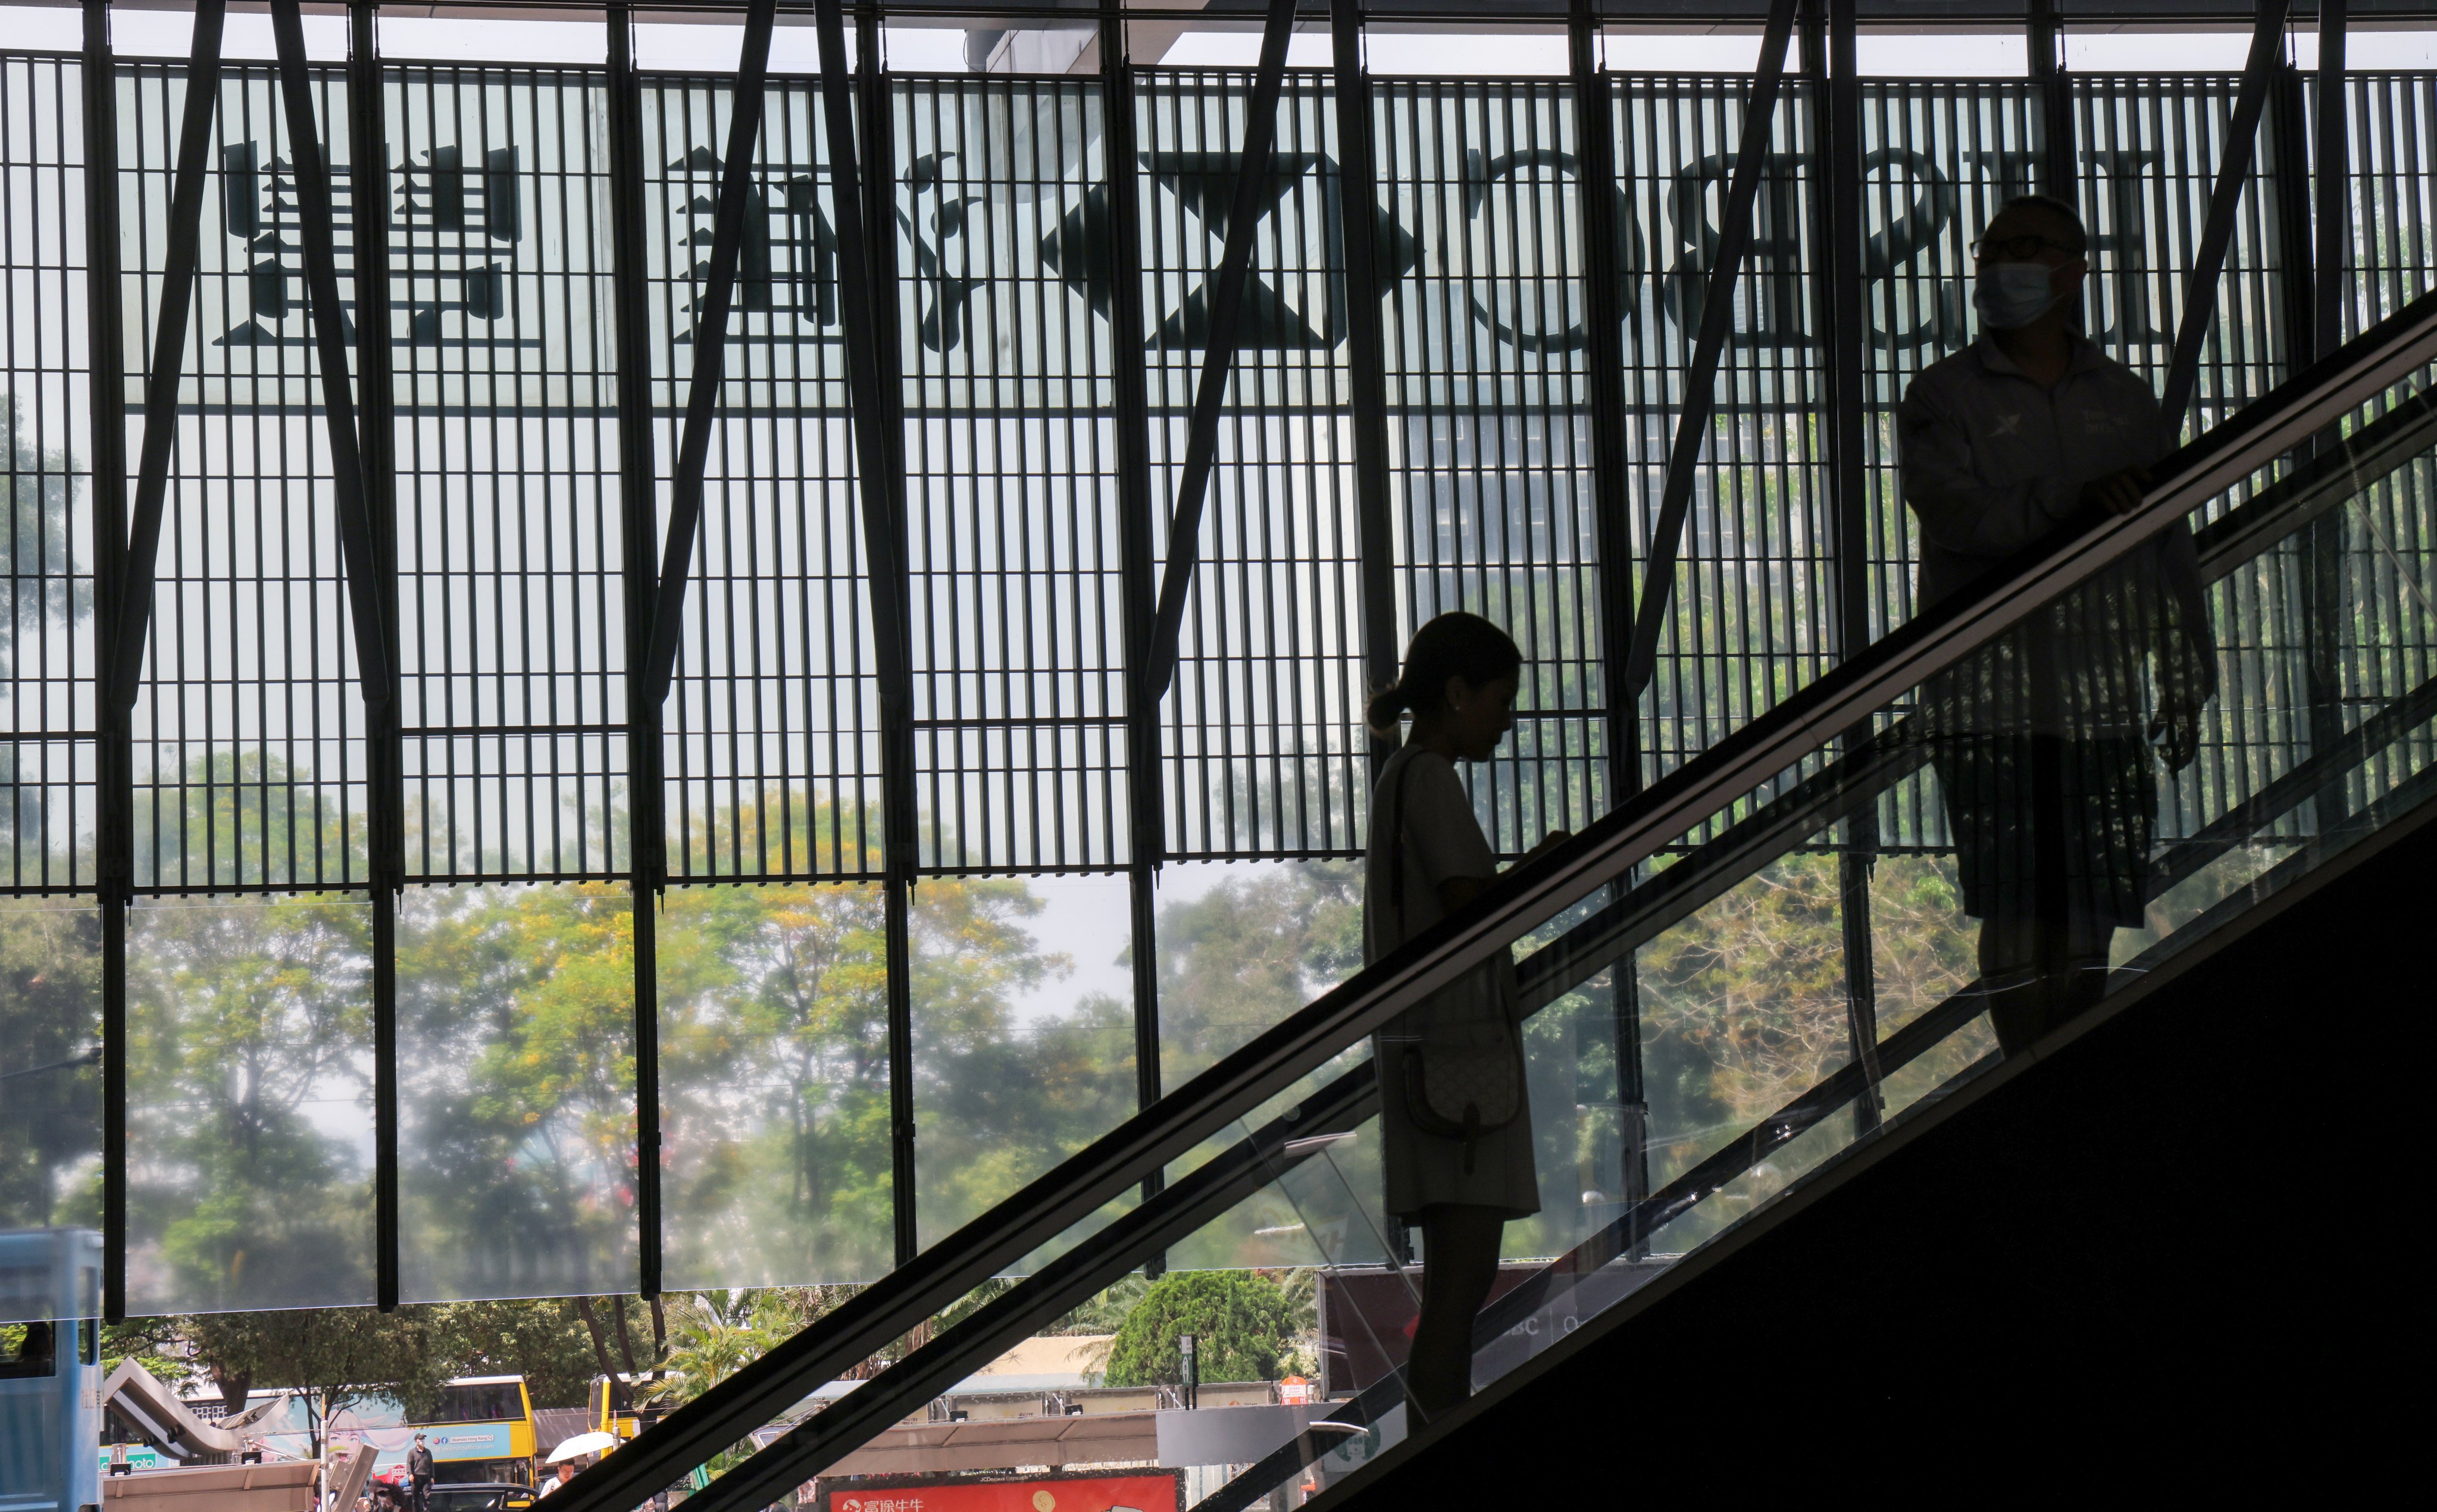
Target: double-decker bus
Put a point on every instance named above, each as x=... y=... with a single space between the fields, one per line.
x=484 y=1431
x=50 y=1371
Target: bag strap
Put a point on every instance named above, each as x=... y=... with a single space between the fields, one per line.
x=1396 y=850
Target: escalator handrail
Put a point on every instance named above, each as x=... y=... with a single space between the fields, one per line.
x=1730 y=1160
x=1854 y=779
x=1608 y=849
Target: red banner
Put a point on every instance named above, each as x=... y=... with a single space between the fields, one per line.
x=1118 y=1491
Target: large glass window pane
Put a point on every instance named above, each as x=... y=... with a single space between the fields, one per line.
x=774 y=1084
x=512 y=636
x=1023 y=1053
x=249 y=726
x=1265 y=752
x=248 y=1093
x=1749 y=606
x=46 y=542
x=1744 y=1008
x=1490 y=446
x=1011 y=460
x=50 y=1069
x=516 y=1051
x=775 y=700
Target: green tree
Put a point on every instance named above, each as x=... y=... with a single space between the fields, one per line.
x=545 y=1342
x=774 y=1013
x=342 y=1355
x=712 y=1335
x=1250 y=951
x=1242 y=1324
x=249 y=1065
x=50 y=1014
x=517 y=1080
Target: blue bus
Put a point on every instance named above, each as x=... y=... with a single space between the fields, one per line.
x=50 y=1370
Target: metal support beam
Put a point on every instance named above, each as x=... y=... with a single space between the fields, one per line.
x=639 y=538
x=368 y=174
x=125 y=670
x=876 y=162
x=1838 y=288
x=878 y=481
x=2303 y=293
x=2331 y=265
x=1137 y=527
x=122 y=673
x=2057 y=177
x=1701 y=379
x=114 y=828
x=1359 y=212
x=2225 y=198
x=376 y=668
x=709 y=350
x=1219 y=359
x=1604 y=315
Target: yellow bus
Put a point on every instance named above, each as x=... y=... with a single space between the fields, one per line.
x=483 y=1432
x=613 y=1405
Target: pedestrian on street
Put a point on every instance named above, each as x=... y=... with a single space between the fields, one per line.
x=418 y=1472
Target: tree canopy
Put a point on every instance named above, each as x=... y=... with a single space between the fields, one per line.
x=1243 y=1326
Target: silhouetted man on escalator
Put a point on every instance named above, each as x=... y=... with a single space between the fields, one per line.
x=2046 y=743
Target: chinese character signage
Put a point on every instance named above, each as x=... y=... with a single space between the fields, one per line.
x=1130 y=1490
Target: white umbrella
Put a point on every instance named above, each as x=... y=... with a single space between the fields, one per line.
x=583 y=1444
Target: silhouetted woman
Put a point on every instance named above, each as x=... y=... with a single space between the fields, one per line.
x=1454 y=1127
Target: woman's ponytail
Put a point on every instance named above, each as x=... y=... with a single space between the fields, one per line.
x=1452 y=645
x=1386 y=708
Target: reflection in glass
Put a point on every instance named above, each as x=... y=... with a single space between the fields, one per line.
x=1743 y=1008
x=774 y=1081
x=515 y=1090
x=50 y=1077
x=249 y=1072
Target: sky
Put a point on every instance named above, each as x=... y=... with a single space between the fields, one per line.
x=914 y=49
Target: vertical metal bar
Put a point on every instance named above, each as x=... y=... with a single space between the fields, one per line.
x=1137 y=523
x=368 y=172
x=877 y=476
x=876 y=162
x=2314 y=290
x=1227 y=287
x=2057 y=178
x=1701 y=379
x=677 y=562
x=709 y=350
x=2225 y=198
x=639 y=539
x=1839 y=293
x=1603 y=225
x=1357 y=189
x=115 y=838
x=126 y=668
x=2331 y=264
x=1358 y=213
x=122 y=673
x=376 y=668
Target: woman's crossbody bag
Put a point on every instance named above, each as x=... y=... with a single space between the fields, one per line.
x=1465 y=1079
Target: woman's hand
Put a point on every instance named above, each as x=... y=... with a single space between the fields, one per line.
x=1548 y=842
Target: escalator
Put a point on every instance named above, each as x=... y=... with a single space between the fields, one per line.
x=1872 y=1183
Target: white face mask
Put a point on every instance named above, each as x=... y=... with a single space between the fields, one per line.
x=2010 y=296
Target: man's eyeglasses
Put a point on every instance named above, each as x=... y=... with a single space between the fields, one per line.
x=2015 y=248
